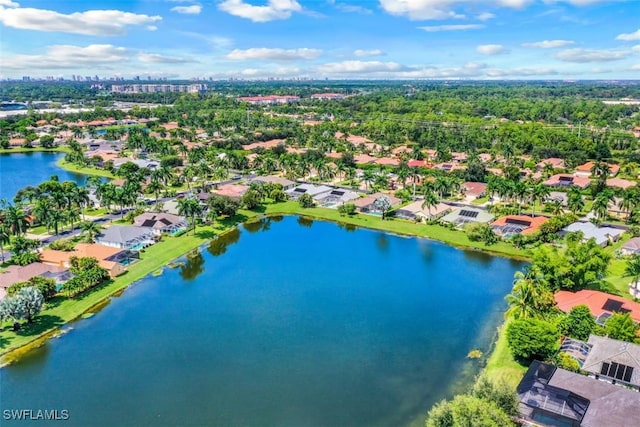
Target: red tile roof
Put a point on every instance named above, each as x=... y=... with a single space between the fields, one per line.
x=596 y=301
x=534 y=222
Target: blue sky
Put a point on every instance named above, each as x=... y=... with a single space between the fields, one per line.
x=336 y=39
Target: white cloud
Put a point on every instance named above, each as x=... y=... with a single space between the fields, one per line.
x=461 y=27
x=636 y=48
x=629 y=36
x=549 y=44
x=156 y=58
x=362 y=67
x=439 y=9
x=8 y=3
x=194 y=9
x=485 y=16
x=491 y=49
x=361 y=53
x=351 y=8
x=275 y=9
x=91 y=22
x=589 y=55
x=68 y=56
x=262 y=53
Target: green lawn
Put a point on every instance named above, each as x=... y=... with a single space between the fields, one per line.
x=33 y=150
x=501 y=365
x=84 y=170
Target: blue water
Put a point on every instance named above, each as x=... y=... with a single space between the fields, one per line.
x=287 y=322
x=18 y=170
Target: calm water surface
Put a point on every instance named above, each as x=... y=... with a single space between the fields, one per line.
x=287 y=322
x=18 y=170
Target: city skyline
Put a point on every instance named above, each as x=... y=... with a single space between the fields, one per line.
x=385 y=39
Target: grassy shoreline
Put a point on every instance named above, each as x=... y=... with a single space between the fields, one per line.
x=19 y=150
x=70 y=167
x=13 y=345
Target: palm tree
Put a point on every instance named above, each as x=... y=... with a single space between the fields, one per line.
x=521 y=300
x=5 y=237
x=81 y=198
x=369 y=177
x=633 y=268
x=430 y=200
x=190 y=207
x=90 y=229
x=538 y=193
x=601 y=205
x=17 y=219
x=575 y=202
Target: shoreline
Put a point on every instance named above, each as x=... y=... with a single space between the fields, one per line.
x=69 y=167
x=204 y=234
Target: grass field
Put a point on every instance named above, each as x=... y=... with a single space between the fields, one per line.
x=501 y=366
x=33 y=150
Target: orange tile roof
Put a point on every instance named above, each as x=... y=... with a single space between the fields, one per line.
x=535 y=222
x=595 y=300
x=82 y=250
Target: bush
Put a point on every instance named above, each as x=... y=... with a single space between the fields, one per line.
x=467 y=410
x=65 y=245
x=306 y=201
x=46 y=286
x=578 y=324
x=565 y=361
x=347 y=209
x=531 y=339
x=482 y=233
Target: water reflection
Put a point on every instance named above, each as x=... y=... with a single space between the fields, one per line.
x=263 y=224
x=193 y=266
x=478 y=256
x=305 y=221
x=276 y=218
x=347 y=227
x=219 y=246
x=382 y=241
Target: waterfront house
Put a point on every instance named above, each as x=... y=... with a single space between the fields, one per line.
x=466 y=215
x=126 y=237
x=557 y=196
x=16 y=274
x=602 y=235
x=114 y=260
x=336 y=197
x=510 y=225
x=415 y=212
x=609 y=360
x=631 y=247
x=161 y=223
x=314 y=191
x=620 y=183
x=368 y=204
x=550 y=396
x=601 y=304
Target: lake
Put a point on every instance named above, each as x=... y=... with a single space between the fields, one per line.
x=18 y=170
x=284 y=322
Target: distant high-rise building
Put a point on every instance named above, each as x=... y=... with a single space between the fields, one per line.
x=158 y=88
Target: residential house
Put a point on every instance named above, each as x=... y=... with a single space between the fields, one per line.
x=620 y=183
x=161 y=223
x=566 y=180
x=510 y=225
x=473 y=190
x=585 y=169
x=466 y=215
x=273 y=179
x=264 y=144
x=368 y=204
x=602 y=235
x=16 y=274
x=314 y=191
x=631 y=247
x=553 y=162
x=363 y=159
x=601 y=304
x=612 y=360
x=114 y=260
x=126 y=237
x=233 y=191
x=387 y=161
x=554 y=397
x=558 y=196
x=417 y=163
x=336 y=197
x=415 y=212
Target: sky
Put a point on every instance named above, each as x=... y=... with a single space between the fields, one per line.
x=334 y=39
